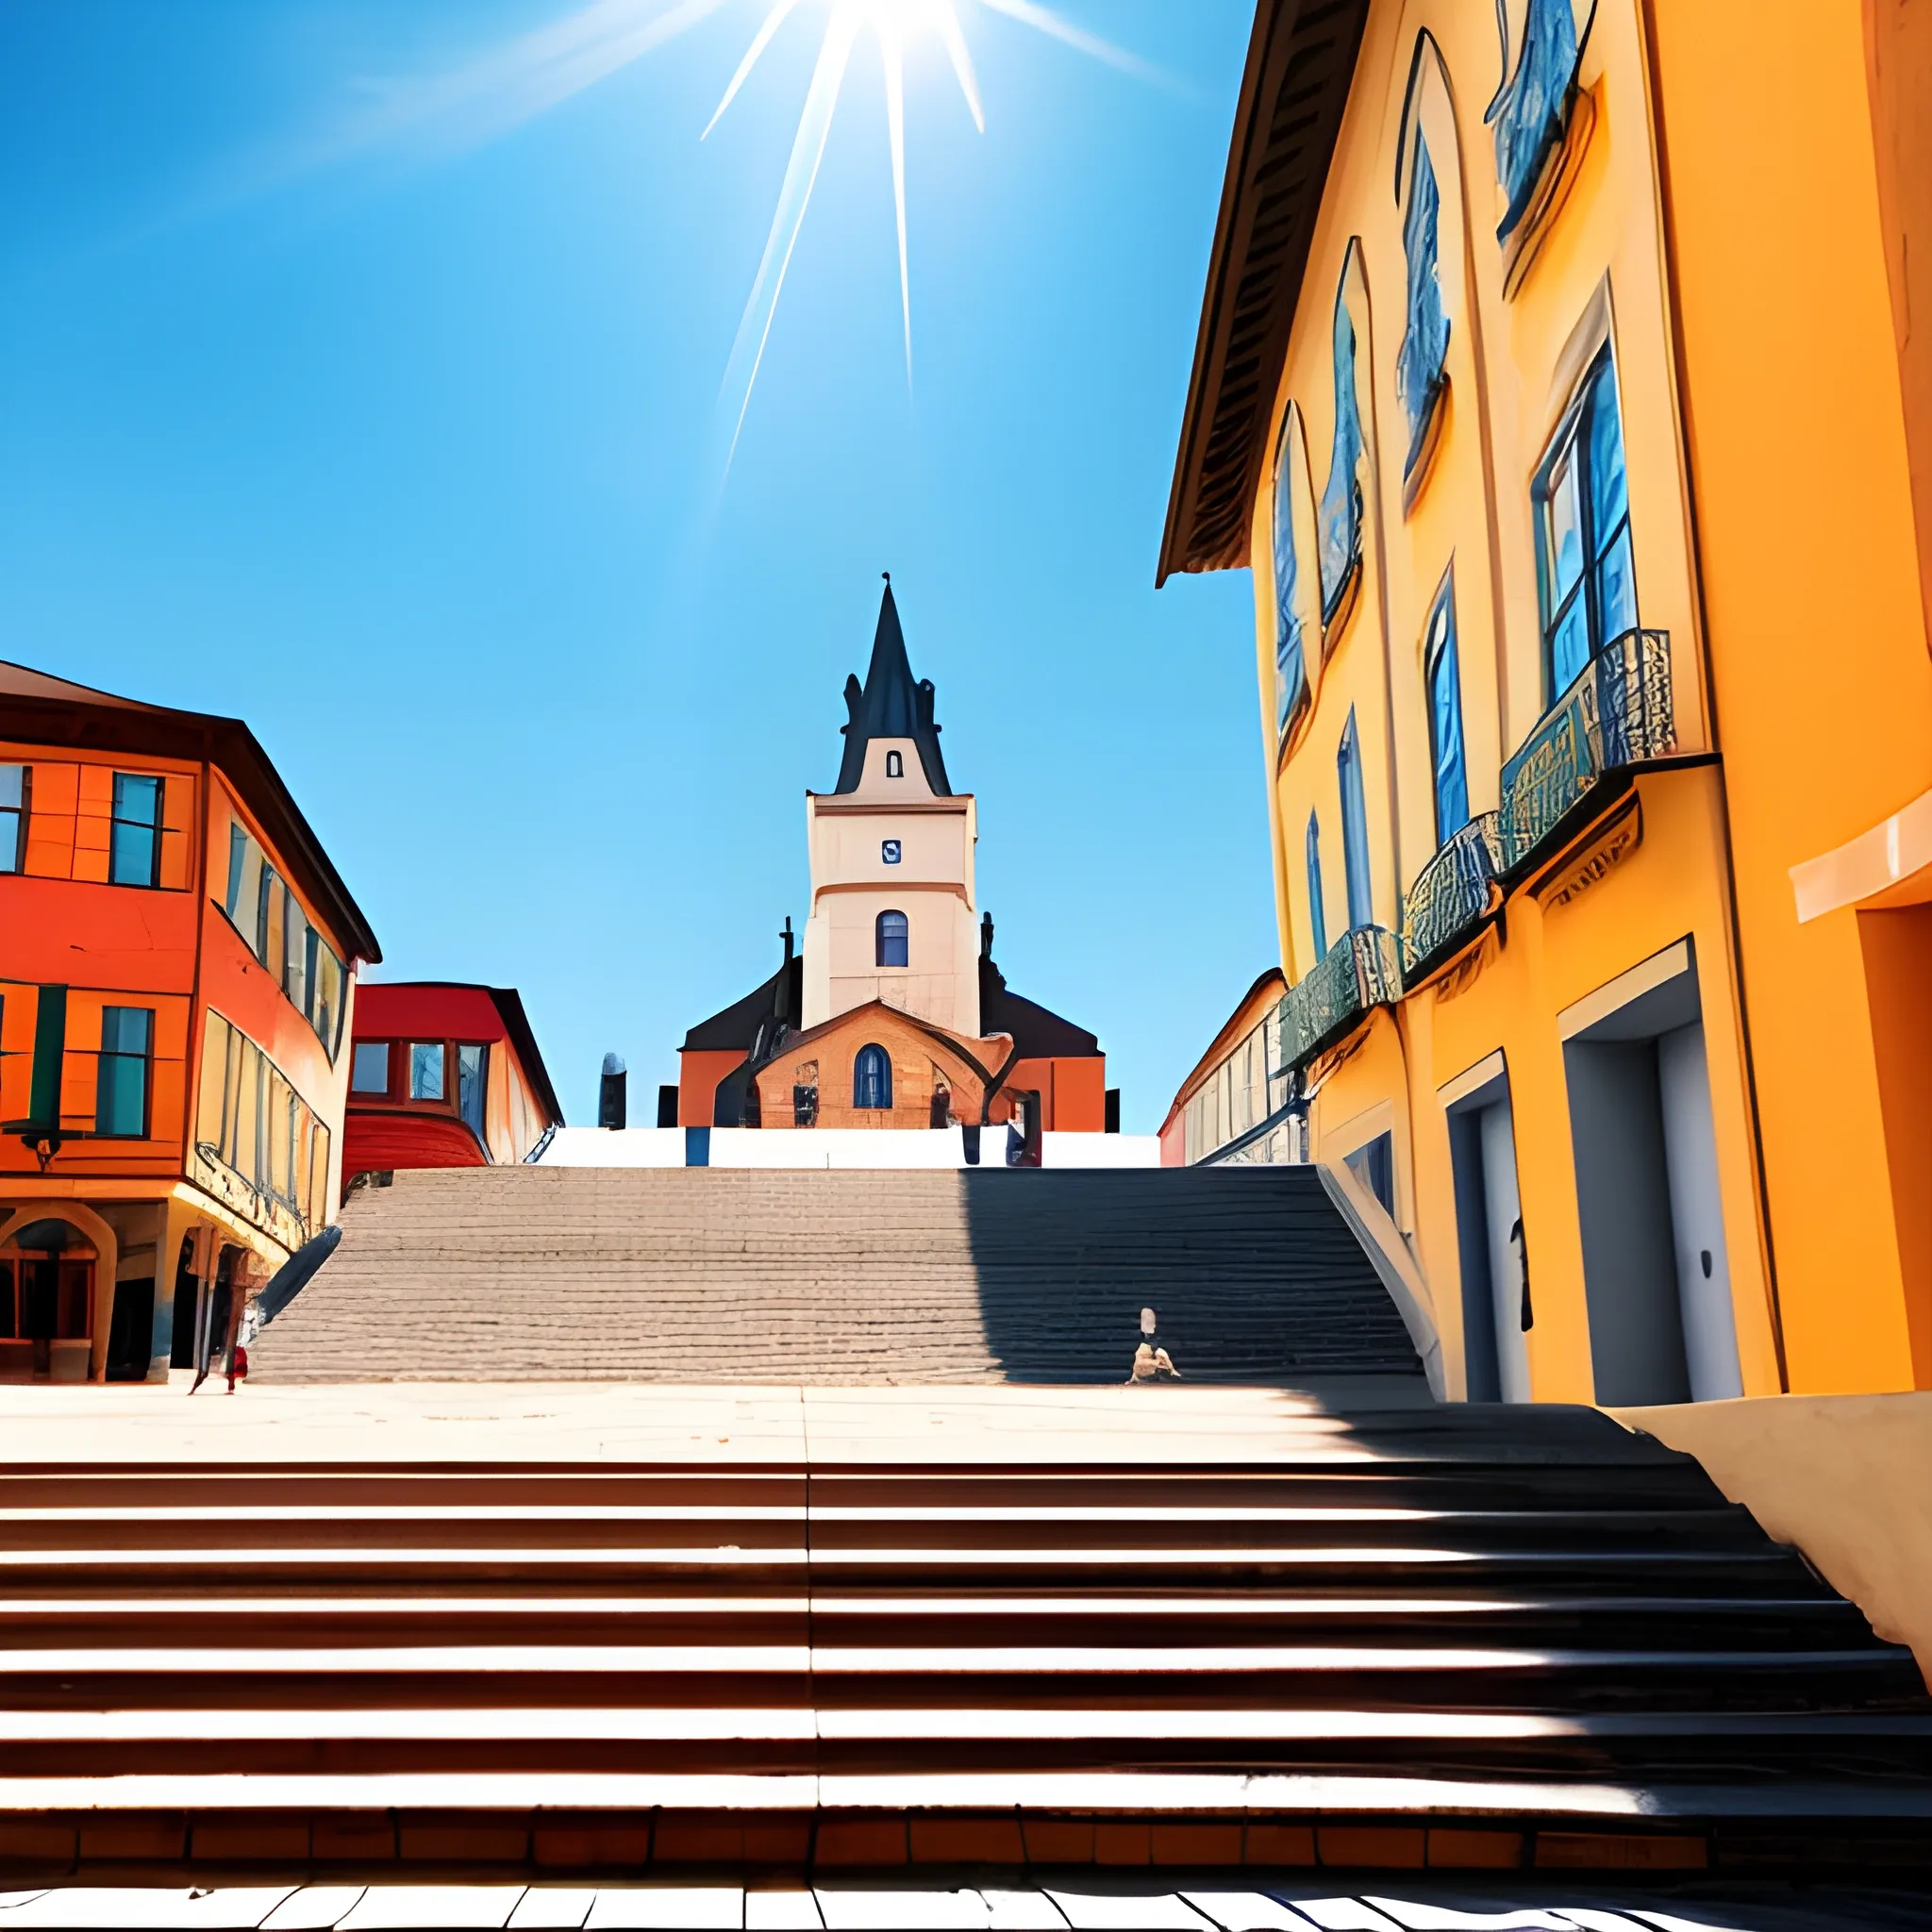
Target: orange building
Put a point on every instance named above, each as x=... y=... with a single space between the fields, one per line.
x=178 y=960
x=894 y=1015
x=443 y=1074
x=1561 y=382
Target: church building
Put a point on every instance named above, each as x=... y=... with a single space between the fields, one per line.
x=894 y=1014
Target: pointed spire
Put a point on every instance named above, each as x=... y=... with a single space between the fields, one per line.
x=890 y=704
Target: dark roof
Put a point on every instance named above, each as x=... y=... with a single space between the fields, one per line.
x=1301 y=60
x=736 y=1028
x=889 y=704
x=36 y=708
x=1037 y=1033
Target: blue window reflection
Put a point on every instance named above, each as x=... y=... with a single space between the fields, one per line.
x=1444 y=682
x=1355 y=827
x=1587 y=582
x=134 y=843
x=1532 y=109
x=1425 y=338
x=1318 y=918
x=890 y=946
x=122 y=1072
x=1290 y=676
x=1342 y=501
x=871 y=1078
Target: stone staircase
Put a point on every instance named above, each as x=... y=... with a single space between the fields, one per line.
x=1459 y=1636
x=841 y=1277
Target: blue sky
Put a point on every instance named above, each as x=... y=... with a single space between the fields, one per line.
x=348 y=387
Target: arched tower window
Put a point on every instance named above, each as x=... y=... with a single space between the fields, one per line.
x=871 y=1078
x=890 y=940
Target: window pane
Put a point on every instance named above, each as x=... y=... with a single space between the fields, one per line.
x=1569 y=647
x=328 y=996
x=12 y=816
x=871 y=1078
x=295 y=953
x=369 y=1068
x=892 y=948
x=1565 y=514
x=264 y=908
x=1318 y=913
x=133 y=842
x=472 y=1080
x=1354 y=828
x=1609 y=499
x=239 y=843
x=1616 y=592
x=425 y=1069
x=1445 y=728
x=120 y=1089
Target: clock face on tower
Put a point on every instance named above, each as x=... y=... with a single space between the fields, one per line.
x=889 y=852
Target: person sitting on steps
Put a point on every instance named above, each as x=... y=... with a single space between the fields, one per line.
x=1150 y=1359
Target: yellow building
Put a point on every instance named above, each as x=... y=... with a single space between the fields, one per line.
x=1557 y=380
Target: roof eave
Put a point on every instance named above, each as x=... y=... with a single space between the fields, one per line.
x=1300 y=66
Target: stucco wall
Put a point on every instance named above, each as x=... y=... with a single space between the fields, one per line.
x=1844 y=1477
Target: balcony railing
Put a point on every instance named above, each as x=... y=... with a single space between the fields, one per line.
x=1451 y=893
x=1616 y=714
x=1361 y=971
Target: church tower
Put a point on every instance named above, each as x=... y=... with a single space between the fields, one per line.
x=892 y=916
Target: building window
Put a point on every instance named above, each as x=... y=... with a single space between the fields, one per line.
x=1531 y=110
x=425 y=1069
x=895 y=765
x=1342 y=501
x=890 y=852
x=871 y=1078
x=122 y=1083
x=473 y=1087
x=134 y=851
x=1355 y=827
x=369 y=1067
x=1585 y=575
x=1318 y=917
x=1291 y=669
x=1418 y=364
x=16 y=784
x=258 y=1145
x=273 y=925
x=804 y=1105
x=1444 y=678
x=1373 y=1165
x=890 y=939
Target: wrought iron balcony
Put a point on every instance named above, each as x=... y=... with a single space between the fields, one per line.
x=1451 y=893
x=1361 y=971
x=1616 y=714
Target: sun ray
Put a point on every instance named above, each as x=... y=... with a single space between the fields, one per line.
x=957 y=52
x=890 y=54
x=1045 y=20
x=801 y=172
x=772 y=22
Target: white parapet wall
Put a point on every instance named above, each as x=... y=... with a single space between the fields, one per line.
x=795 y=1147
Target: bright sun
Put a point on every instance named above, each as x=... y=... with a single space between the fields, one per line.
x=893 y=24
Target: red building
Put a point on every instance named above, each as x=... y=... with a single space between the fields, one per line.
x=443 y=1074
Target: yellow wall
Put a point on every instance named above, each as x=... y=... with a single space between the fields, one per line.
x=1721 y=232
